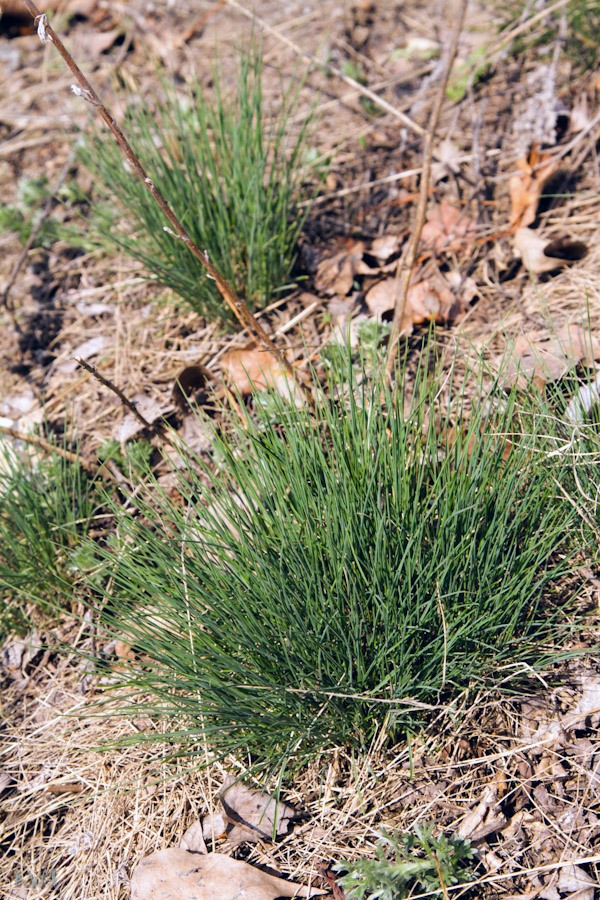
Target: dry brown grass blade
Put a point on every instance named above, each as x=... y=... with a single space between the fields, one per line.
x=236 y=304
x=407 y=262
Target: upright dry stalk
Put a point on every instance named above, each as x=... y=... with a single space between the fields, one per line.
x=408 y=259
x=237 y=305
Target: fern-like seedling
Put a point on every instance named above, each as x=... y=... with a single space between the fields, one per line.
x=407 y=862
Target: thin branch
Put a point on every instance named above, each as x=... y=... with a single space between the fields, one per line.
x=131 y=405
x=407 y=261
x=44 y=445
x=236 y=304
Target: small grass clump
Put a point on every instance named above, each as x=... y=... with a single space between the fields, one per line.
x=231 y=173
x=46 y=508
x=339 y=573
x=575 y=25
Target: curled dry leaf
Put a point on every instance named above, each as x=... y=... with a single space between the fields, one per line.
x=527 y=186
x=187 y=383
x=250 y=369
x=575 y=882
x=542 y=357
x=448 y=229
x=540 y=255
x=336 y=274
x=178 y=874
x=382 y=248
x=447 y=160
x=428 y=300
x=486 y=818
x=254 y=815
x=16 y=655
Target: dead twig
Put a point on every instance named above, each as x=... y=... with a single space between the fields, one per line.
x=48 y=447
x=236 y=304
x=131 y=405
x=407 y=261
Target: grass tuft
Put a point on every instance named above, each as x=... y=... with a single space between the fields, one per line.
x=232 y=175
x=46 y=508
x=339 y=573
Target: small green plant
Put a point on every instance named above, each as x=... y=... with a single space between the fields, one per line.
x=578 y=34
x=133 y=458
x=230 y=172
x=467 y=74
x=335 y=570
x=408 y=863
x=45 y=510
x=23 y=215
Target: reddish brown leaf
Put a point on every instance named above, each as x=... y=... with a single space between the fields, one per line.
x=526 y=188
x=448 y=229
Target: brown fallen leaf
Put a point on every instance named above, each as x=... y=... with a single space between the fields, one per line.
x=447 y=161
x=526 y=188
x=484 y=819
x=385 y=246
x=336 y=274
x=448 y=229
x=428 y=300
x=254 y=815
x=542 y=357
x=178 y=874
x=91 y=43
x=540 y=255
x=250 y=369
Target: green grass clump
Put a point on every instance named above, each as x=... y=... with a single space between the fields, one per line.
x=407 y=864
x=45 y=510
x=29 y=212
x=578 y=34
x=338 y=569
x=232 y=175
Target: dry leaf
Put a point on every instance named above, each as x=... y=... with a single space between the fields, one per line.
x=91 y=44
x=574 y=882
x=526 y=187
x=214 y=827
x=384 y=247
x=544 y=357
x=250 y=369
x=336 y=274
x=447 y=160
x=485 y=819
x=448 y=229
x=540 y=255
x=254 y=814
x=429 y=300
x=151 y=408
x=193 y=839
x=187 y=383
x=17 y=654
x=181 y=875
